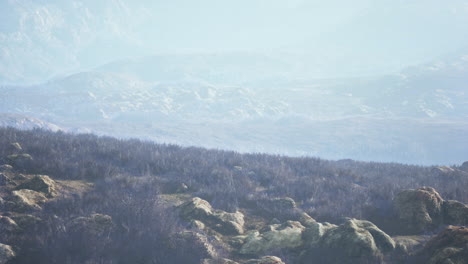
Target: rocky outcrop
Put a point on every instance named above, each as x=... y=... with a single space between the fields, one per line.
x=26 y=200
x=7 y=225
x=449 y=246
x=221 y=221
x=419 y=210
x=6 y=253
x=95 y=224
x=357 y=239
x=266 y=260
x=424 y=210
x=40 y=183
x=455 y=213
x=314 y=233
x=286 y=235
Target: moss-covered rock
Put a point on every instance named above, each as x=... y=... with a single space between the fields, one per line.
x=314 y=232
x=355 y=241
x=221 y=221
x=419 y=210
x=286 y=235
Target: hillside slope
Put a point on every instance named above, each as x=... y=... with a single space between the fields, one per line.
x=192 y=205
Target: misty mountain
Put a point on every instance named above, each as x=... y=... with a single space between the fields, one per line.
x=219 y=101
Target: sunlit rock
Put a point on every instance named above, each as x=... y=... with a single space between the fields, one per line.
x=26 y=200
x=40 y=183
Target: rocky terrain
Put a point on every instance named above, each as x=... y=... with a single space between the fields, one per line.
x=88 y=213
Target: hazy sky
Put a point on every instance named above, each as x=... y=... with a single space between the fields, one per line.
x=43 y=37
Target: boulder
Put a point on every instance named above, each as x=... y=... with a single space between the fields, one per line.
x=357 y=239
x=26 y=200
x=221 y=221
x=418 y=210
x=6 y=253
x=306 y=220
x=455 y=213
x=95 y=224
x=6 y=167
x=40 y=183
x=8 y=225
x=286 y=235
x=314 y=232
x=265 y=260
x=449 y=246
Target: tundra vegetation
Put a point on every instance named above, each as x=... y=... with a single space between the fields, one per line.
x=86 y=199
